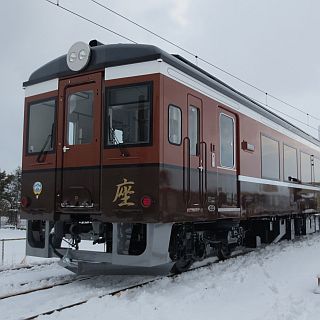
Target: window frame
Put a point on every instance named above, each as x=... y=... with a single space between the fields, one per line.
x=168 y=136
x=279 y=157
x=297 y=161
x=67 y=115
x=234 y=141
x=198 y=130
x=311 y=175
x=314 y=170
x=28 y=106
x=106 y=112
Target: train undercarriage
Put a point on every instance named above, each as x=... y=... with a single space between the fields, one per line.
x=157 y=248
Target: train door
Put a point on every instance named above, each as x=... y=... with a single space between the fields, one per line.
x=227 y=185
x=79 y=143
x=196 y=159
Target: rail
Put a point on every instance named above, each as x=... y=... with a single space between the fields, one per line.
x=118 y=292
x=45 y=287
x=3 y=241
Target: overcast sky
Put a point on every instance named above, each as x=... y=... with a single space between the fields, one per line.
x=270 y=43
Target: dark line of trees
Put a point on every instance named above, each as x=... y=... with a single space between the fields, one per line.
x=10 y=193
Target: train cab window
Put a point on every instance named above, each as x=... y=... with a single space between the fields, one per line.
x=305 y=167
x=80 y=118
x=270 y=158
x=41 y=125
x=226 y=141
x=175 y=125
x=316 y=164
x=193 y=129
x=290 y=163
x=128 y=115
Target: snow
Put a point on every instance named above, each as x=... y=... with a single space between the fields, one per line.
x=14 y=250
x=277 y=282
x=12 y=233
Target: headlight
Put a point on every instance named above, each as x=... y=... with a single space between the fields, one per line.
x=72 y=57
x=82 y=54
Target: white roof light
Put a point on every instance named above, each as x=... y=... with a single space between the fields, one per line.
x=72 y=57
x=82 y=54
x=78 y=56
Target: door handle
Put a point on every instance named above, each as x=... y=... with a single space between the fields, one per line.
x=201 y=165
x=65 y=149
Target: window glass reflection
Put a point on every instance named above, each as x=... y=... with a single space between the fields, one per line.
x=226 y=141
x=290 y=163
x=41 y=126
x=174 y=125
x=305 y=168
x=270 y=158
x=129 y=111
x=193 y=129
x=80 y=118
x=316 y=162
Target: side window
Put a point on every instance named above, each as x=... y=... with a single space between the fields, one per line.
x=41 y=123
x=226 y=141
x=270 y=158
x=193 y=129
x=305 y=167
x=290 y=163
x=316 y=163
x=174 y=125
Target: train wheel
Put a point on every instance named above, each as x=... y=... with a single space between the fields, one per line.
x=181 y=266
x=224 y=252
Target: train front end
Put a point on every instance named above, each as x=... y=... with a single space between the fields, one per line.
x=91 y=154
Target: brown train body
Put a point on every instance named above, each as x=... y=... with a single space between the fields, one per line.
x=159 y=161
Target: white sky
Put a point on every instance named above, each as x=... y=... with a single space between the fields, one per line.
x=270 y=43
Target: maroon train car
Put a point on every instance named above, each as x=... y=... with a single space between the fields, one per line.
x=157 y=162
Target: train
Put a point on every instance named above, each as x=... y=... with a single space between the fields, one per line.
x=156 y=164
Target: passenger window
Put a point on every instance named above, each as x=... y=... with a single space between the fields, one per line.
x=226 y=141
x=290 y=170
x=316 y=163
x=128 y=115
x=270 y=158
x=305 y=167
x=41 y=126
x=175 y=125
x=193 y=129
x=80 y=118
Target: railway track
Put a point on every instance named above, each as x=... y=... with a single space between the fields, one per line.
x=50 y=286
x=112 y=293
x=26 y=267
x=128 y=288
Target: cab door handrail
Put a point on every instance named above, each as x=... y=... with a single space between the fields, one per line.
x=186 y=170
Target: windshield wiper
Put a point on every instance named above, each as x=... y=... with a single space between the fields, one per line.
x=42 y=154
x=116 y=142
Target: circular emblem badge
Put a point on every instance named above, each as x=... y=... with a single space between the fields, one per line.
x=78 y=56
x=37 y=188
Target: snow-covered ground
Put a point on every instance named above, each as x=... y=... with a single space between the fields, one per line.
x=15 y=250
x=277 y=282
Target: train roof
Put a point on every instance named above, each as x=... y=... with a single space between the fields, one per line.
x=112 y=55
